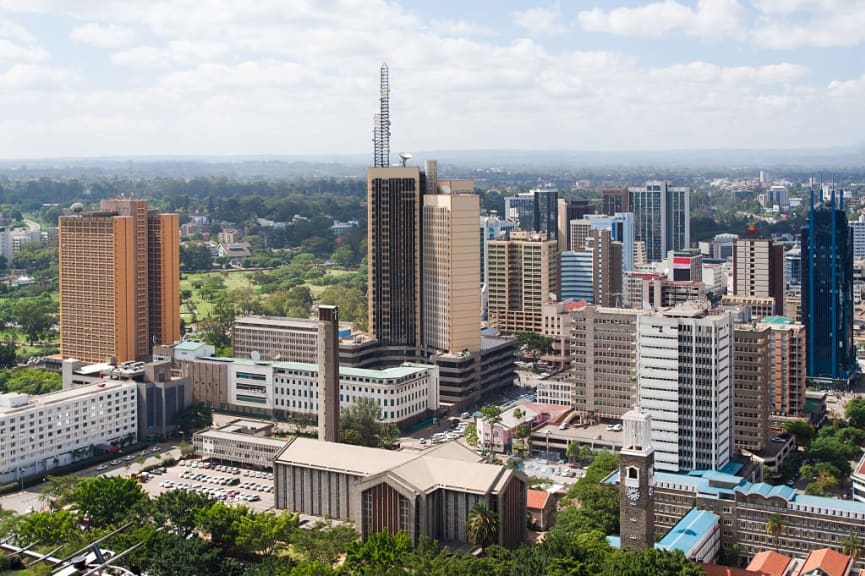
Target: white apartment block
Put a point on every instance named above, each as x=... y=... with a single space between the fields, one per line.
x=404 y=393
x=684 y=375
x=858 y=228
x=38 y=433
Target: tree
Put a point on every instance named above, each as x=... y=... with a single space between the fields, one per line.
x=7 y=354
x=852 y=546
x=215 y=327
x=482 y=525
x=471 y=434
x=801 y=430
x=58 y=490
x=258 y=532
x=855 y=412
x=36 y=316
x=775 y=526
x=109 y=500
x=49 y=528
x=195 y=257
x=221 y=522
x=194 y=418
x=360 y=424
x=380 y=554
x=31 y=381
x=178 y=508
x=534 y=344
x=492 y=414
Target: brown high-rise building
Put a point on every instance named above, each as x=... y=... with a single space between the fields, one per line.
x=751 y=386
x=606 y=269
x=394 y=247
x=758 y=268
x=119 y=282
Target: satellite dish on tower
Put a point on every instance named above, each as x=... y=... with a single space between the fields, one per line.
x=78 y=207
x=404 y=157
x=255 y=355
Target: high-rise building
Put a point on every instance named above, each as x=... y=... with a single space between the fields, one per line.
x=685 y=265
x=577 y=274
x=751 y=386
x=394 y=256
x=535 y=211
x=684 y=373
x=119 y=282
x=523 y=274
x=603 y=376
x=615 y=200
x=521 y=209
x=827 y=291
x=328 y=392
x=758 y=268
x=787 y=358
x=621 y=227
x=661 y=217
x=570 y=210
x=451 y=253
x=606 y=268
x=492 y=227
x=858 y=237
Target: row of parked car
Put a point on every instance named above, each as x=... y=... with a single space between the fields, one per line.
x=215 y=493
x=201 y=477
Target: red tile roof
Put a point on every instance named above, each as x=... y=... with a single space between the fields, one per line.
x=718 y=570
x=832 y=562
x=537 y=499
x=769 y=562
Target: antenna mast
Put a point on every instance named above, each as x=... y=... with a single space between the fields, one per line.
x=381 y=123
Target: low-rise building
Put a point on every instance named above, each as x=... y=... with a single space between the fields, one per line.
x=38 y=433
x=541 y=506
x=429 y=493
x=238 y=444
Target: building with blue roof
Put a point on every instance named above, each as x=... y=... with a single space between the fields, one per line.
x=697 y=535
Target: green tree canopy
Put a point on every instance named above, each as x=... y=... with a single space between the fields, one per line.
x=360 y=424
x=109 y=500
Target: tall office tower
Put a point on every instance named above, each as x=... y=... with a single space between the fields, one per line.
x=119 y=282
x=573 y=210
x=637 y=482
x=451 y=253
x=577 y=275
x=684 y=373
x=621 y=227
x=603 y=375
x=615 y=200
x=394 y=255
x=858 y=237
x=521 y=209
x=523 y=275
x=722 y=246
x=758 y=268
x=328 y=373
x=787 y=360
x=546 y=212
x=827 y=291
x=751 y=386
x=606 y=268
x=492 y=227
x=661 y=217
x=578 y=232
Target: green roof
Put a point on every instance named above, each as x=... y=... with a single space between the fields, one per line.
x=190 y=345
x=407 y=369
x=777 y=320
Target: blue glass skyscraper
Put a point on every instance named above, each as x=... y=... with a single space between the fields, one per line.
x=827 y=292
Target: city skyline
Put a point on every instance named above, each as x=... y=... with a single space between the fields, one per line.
x=156 y=78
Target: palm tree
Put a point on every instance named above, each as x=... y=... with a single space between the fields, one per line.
x=852 y=545
x=482 y=525
x=775 y=526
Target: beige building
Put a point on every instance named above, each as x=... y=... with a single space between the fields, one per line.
x=523 y=275
x=451 y=253
x=426 y=494
x=119 y=282
x=750 y=387
x=758 y=269
x=761 y=306
x=603 y=371
x=277 y=338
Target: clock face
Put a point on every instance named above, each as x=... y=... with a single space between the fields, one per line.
x=633 y=495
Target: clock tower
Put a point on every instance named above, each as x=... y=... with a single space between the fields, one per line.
x=637 y=482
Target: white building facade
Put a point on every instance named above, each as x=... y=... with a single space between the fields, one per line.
x=684 y=375
x=38 y=433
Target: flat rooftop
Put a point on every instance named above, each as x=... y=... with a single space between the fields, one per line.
x=66 y=395
x=275 y=443
x=402 y=371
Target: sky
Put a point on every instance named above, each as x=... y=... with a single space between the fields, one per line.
x=82 y=78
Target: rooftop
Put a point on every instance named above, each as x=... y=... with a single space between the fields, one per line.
x=770 y=562
x=537 y=499
x=777 y=320
x=71 y=394
x=688 y=531
x=825 y=562
x=406 y=369
x=275 y=443
x=190 y=345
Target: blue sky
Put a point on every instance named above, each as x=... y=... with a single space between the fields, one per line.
x=214 y=77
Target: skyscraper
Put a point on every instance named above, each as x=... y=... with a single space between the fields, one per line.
x=570 y=210
x=535 y=211
x=758 y=268
x=827 y=291
x=661 y=217
x=615 y=200
x=684 y=380
x=119 y=282
x=394 y=246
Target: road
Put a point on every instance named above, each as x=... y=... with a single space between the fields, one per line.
x=33 y=225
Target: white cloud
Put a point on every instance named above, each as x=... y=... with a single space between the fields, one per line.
x=833 y=23
x=710 y=18
x=142 y=57
x=102 y=35
x=32 y=77
x=17 y=44
x=540 y=21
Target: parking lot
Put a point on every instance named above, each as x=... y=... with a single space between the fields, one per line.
x=232 y=485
